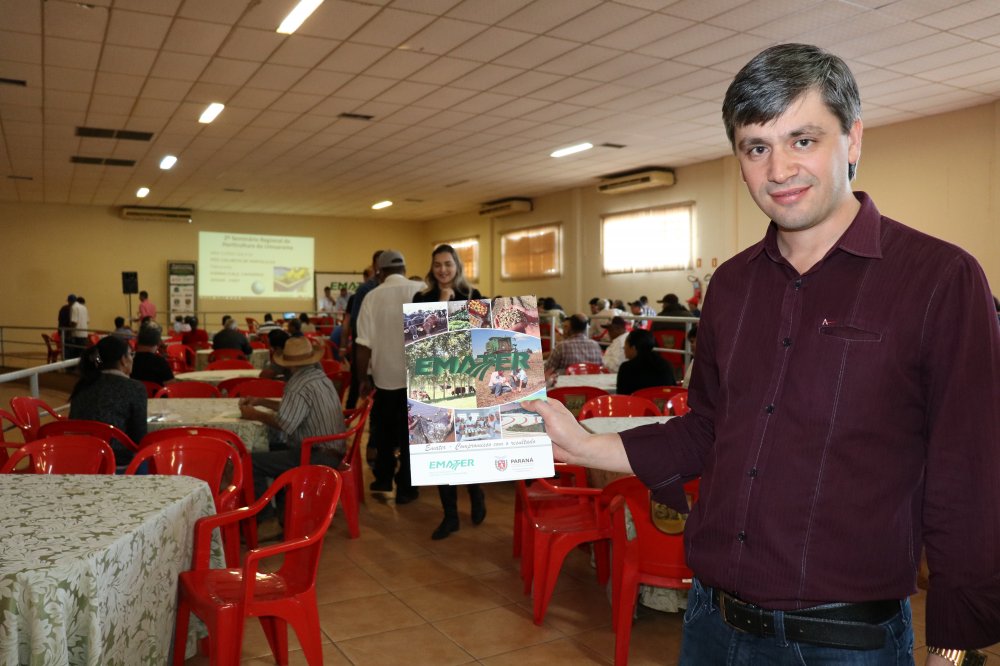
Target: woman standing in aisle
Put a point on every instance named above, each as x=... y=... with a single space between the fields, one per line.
x=446 y=282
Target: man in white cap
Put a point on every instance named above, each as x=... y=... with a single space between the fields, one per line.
x=310 y=407
x=379 y=343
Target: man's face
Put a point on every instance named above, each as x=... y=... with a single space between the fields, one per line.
x=795 y=166
x=594 y=308
x=636 y=308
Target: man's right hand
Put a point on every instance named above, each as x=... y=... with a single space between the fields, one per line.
x=573 y=444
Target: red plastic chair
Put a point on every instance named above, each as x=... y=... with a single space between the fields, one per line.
x=343 y=384
x=618 y=405
x=26 y=410
x=64 y=454
x=204 y=458
x=671 y=340
x=679 y=404
x=52 y=347
x=584 y=369
x=230 y=364
x=259 y=388
x=224 y=598
x=105 y=432
x=252 y=324
x=188 y=390
x=245 y=496
x=556 y=530
x=257 y=344
x=151 y=388
x=574 y=397
x=650 y=556
x=661 y=396
x=573 y=476
x=351 y=467
x=182 y=353
x=331 y=367
x=226 y=355
x=228 y=386
x=7 y=447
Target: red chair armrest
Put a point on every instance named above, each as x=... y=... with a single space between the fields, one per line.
x=308 y=443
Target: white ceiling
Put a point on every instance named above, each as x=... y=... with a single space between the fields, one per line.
x=469 y=97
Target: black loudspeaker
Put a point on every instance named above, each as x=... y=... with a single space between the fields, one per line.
x=130 y=282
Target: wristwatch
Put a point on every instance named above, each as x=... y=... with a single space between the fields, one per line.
x=959 y=657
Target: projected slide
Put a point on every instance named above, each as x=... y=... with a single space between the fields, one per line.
x=251 y=265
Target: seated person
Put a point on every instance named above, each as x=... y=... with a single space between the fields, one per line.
x=121 y=330
x=307 y=326
x=575 y=348
x=181 y=325
x=277 y=339
x=105 y=393
x=195 y=338
x=614 y=355
x=268 y=325
x=148 y=365
x=294 y=327
x=521 y=379
x=231 y=338
x=499 y=384
x=309 y=408
x=644 y=367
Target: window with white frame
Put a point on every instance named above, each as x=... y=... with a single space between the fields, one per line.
x=654 y=239
x=467 y=250
x=535 y=252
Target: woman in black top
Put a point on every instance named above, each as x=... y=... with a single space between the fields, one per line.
x=105 y=393
x=446 y=282
x=644 y=367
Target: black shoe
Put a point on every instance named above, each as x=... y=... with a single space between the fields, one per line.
x=380 y=486
x=406 y=498
x=478 y=507
x=444 y=529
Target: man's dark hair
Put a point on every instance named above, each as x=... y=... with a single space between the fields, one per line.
x=578 y=323
x=143 y=294
x=641 y=340
x=119 y=322
x=268 y=317
x=776 y=77
x=277 y=338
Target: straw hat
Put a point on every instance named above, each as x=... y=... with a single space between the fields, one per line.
x=298 y=351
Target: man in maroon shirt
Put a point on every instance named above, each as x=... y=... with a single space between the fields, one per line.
x=844 y=409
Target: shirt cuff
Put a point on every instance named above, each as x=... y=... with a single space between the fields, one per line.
x=644 y=448
x=964 y=618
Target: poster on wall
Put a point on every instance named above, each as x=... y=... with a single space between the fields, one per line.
x=336 y=282
x=469 y=364
x=182 y=282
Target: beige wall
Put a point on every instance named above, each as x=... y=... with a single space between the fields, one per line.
x=53 y=250
x=936 y=174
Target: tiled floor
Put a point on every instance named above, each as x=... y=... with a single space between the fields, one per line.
x=394 y=596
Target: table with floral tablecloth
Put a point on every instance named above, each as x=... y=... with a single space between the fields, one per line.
x=258 y=358
x=89 y=566
x=210 y=412
x=602 y=380
x=215 y=377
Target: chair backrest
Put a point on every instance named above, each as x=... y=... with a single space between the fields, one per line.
x=260 y=388
x=227 y=436
x=183 y=353
x=330 y=367
x=226 y=354
x=93 y=339
x=252 y=324
x=51 y=347
x=199 y=456
x=649 y=544
x=679 y=404
x=584 y=369
x=257 y=344
x=574 y=397
x=64 y=454
x=227 y=386
x=311 y=495
x=188 y=390
x=230 y=364
x=671 y=339
x=8 y=446
x=25 y=409
x=151 y=387
x=618 y=405
x=104 y=431
x=660 y=395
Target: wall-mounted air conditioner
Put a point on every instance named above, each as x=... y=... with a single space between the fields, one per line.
x=156 y=214
x=631 y=181
x=509 y=206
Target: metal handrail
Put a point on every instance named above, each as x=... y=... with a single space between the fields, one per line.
x=32 y=373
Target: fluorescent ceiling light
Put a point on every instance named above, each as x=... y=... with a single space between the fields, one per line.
x=297 y=16
x=578 y=148
x=142 y=192
x=168 y=162
x=381 y=204
x=211 y=113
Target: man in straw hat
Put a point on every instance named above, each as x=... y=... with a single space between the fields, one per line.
x=309 y=408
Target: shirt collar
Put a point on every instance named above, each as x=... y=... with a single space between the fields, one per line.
x=863 y=238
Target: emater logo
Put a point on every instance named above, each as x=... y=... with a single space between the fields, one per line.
x=501 y=464
x=452 y=465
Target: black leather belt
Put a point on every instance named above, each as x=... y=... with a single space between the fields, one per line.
x=849 y=626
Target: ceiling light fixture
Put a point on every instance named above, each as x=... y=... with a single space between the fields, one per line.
x=211 y=113
x=168 y=162
x=381 y=204
x=297 y=16
x=142 y=192
x=578 y=148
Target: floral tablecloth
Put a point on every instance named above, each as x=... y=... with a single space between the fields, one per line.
x=211 y=412
x=214 y=377
x=258 y=357
x=89 y=565
x=604 y=380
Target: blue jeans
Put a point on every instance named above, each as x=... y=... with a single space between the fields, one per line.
x=709 y=641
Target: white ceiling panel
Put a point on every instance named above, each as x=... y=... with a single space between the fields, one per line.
x=353 y=58
x=303 y=51
x=391 y=27
x=199 y=37
x=442 y=35
x=137 y=29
